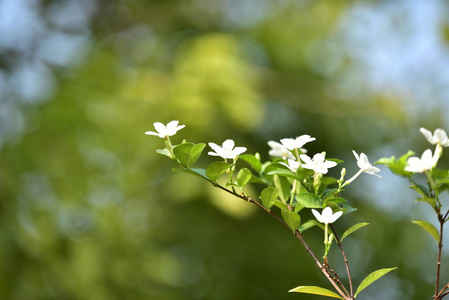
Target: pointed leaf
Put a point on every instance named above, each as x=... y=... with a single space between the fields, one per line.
x=215 y=169
x=309 y=200
x=292 y=219
x=315 y=290
x=352 y=229
x=197 y=172
x=188 y=153
x=253 y=161
x=269 y=196
x=283 y=172
x=306 y=225
x=429 y=228
x=282 y=184
x=164 y=151
x=430 y=201
x=371 y=278
x=243 y=177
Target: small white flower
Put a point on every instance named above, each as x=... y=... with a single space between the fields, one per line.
x=292 y=165
x=363 y=163
x=439 y=137
x=327 y=216
x=164 y=131
x=319 y=164
x=279 y=150
x=419 y=165
x=227 y=150
x=300 y=141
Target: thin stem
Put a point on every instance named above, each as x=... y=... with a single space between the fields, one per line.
x=348 y=271
x=440 y=294
x=440 y=248
x=352 y=178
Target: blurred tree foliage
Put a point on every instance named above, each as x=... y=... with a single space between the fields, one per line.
x=90 y=211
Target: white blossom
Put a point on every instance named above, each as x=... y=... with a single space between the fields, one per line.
x=297 y=143
x=227 y=150
x=419 y=165
x=164 y=131
x=279 y=150
x=439 y=137
x=327 y=216
x=318 y=163
x=292 y=165
x=364 y=164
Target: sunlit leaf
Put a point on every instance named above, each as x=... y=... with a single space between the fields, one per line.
x=429 y=228
x=292 y=219
x=164 y=151
x=306 y=225
x=352 y=229
x=243 y=177
x=268 y=197
x=188 y=153
x=397 y=166
x=371 y=278
x=422 y=190
x=309 y=200
x=315 y=290
x=253 y=161
x=197 y=172
x=282 y=184
x=283 y=172
x=431 y=201
x=216 y=169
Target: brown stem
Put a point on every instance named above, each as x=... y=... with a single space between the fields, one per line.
x=348 y=271
x=440 y=248
x=442 y=293
x=298 y=235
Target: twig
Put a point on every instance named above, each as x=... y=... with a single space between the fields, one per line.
x=348 y=271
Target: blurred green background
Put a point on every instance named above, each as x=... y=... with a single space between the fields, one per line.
x=90 y=211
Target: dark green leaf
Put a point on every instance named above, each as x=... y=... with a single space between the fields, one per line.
x=329 y=180
x=252 y=161
x=429 y=228
x=333 y=200
x=352 y=229
x=371 y=278
x=315 y=290
x=292 y=219
x=216 y=169
x=309 y=200
x=269 y=196
x=188 y=153
x=243 y=177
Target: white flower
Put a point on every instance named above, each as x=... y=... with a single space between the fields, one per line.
x=364 y=165
x=300 y=141
x=227 y=150
x=279 y=150
x=439 y=137
x=292 y=165
x=164 y=131
x=419 y=165
x=327 y=216
x=318 y=163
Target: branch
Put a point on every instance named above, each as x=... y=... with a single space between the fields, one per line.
x=348 y=271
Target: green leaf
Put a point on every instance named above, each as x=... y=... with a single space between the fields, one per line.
x=309 y=200
x=371 y=278
x=164 y=151
x=338 y=161
x=292 y=219
x=283 y=172
x=430 y=201
x=243 y=177
x=188 y=153
x=422 y=190
x=315 y=290
x=329 y=180
x=197 y=172
x=429 y=228
x=306 y=225
x=352 y=229
x=282 y=184
x=215 y=169
x=269 y=196
x=252 y=161
x=333 y=200
x=397 y=166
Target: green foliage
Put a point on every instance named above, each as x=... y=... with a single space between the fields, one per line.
x=353 y=229
x=397 y=166
x=188 y=153
x=372 y=278
x=309 y=200
x=216 y=169
x=283 y=186
x=253 y=161
x=268 y=197
x=315 y=290
x=243 y=177
x=429 y=228
x=292 y=219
